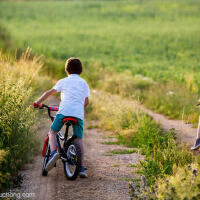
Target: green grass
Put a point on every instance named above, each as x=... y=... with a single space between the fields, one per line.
x=131 y=165
x=115 y=165
x=127 y=179
x=138 y=35
x=125 y=151
x=92 y=126
x=111 y=143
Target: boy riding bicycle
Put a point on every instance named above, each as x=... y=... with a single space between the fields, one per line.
x=74 y=98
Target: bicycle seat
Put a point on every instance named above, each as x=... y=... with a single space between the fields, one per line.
x=72 y=120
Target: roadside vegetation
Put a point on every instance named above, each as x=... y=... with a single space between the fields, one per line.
x=18 y=135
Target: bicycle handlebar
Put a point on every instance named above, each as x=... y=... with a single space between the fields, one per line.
x=41 y=106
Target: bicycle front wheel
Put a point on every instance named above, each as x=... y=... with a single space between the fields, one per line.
x=72 y=167
x=46 y=159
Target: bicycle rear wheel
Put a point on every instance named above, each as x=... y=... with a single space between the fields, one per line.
x=72 y=167
x=46 y=159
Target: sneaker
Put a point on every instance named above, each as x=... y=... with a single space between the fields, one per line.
x=197 y=144
x=82 y=173
x=53 y=158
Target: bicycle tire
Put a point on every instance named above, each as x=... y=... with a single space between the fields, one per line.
x=45 y=161
x=77 y=163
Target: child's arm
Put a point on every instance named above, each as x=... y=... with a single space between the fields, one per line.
x=45 y=96
x=86 y=102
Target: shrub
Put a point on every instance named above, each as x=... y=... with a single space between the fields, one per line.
x=126 y=85
x=17 y=141
x=161 y=162
x=4 y=174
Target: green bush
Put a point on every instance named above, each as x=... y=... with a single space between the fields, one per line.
x=161 y=162
x=126 y=85
x=17 y=139
x=5 y=175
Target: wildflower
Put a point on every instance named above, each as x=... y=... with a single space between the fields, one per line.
x=144 y=181
x=195 y=172
x=167 y=183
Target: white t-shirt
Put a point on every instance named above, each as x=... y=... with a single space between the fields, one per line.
x=73 y=90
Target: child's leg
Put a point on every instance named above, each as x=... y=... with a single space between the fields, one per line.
x=80 y=141
x=55 y=128
x=78 y=132
x=54 y=156
x=197 y=142
x=198 y=130
x=52 y=140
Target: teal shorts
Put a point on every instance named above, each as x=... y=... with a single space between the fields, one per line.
x=58 y=124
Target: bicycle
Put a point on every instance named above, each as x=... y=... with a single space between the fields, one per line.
x=70 y=152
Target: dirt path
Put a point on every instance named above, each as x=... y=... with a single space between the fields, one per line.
x=185 y=132
x=108 y=175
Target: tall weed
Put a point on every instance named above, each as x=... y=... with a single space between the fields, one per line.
x=17 y=139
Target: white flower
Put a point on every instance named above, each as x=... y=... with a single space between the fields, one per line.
x=170 y=93
x=94 y=91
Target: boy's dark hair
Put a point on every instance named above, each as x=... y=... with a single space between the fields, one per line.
x=73 y=66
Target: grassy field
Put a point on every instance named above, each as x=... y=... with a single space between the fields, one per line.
x=154 y=39
x=142 y=36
